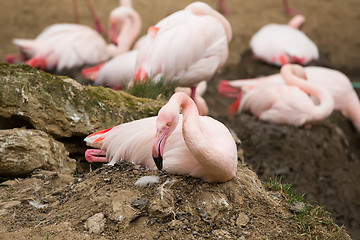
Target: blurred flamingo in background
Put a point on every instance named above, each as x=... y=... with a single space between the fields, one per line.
x=199 y=100
x=184 y=144
x=280 y=44
x=287 y=103
x=64 y=46
x=116 y=73
x=337 y=83
x=188 y=46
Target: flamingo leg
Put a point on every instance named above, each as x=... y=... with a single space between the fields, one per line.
x=288 y=10
x=76 y=11
x=222 y=7
x=98 y=24
x=193 y=92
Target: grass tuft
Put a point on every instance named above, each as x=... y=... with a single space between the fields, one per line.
x=150 y=89
x=312 y=221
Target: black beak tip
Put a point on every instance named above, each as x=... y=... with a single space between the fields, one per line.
x=159 y=162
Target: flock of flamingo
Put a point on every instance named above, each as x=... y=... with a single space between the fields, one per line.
x=189 y=47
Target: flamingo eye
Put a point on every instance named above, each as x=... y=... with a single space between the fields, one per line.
x=169 y=124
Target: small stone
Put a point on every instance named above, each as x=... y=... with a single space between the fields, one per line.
x=96 y=223
x=297 y=207
x=242 y=220
x=139 y=203
x=175 y=224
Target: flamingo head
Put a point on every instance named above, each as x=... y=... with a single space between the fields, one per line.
x=116 y=19
x=166 y=123
x=114 y=31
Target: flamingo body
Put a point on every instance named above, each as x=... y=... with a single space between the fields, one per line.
x=290 y=103
x=279 y=44
x=64 y=46
x=213 y=158
x=337 y=83
x=188 y=46
x=281 y=104
x=116 y=73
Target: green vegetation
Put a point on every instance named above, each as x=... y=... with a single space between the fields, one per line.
x=151 y=89
x=314 y=222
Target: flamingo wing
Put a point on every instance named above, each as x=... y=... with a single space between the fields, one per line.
x=66 y=46
x=187 y=49
x=273 y=41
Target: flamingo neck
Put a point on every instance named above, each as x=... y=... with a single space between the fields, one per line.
x=297 y=21
x=126 y=3
x=130 y=30
x=198 y=144
x=326 y=100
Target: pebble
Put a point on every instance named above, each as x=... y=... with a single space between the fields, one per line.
x=96 y=223
x=242 y=220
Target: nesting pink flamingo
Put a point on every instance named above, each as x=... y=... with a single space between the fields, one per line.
x=337 y=83
x=63 y=46
x=280 y=44
x=14 y=58
x=188 y=46
x=288 y=103
x=184 y=144
x=116 y=73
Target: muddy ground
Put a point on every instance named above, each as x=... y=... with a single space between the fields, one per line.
x=320 y=163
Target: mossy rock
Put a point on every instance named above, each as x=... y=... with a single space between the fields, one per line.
x=61 y=106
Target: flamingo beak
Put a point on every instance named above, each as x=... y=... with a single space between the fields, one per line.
x=158 y=147
x=226 y=90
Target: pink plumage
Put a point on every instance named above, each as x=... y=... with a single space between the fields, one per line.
x=116 y=73
x=280 y=44
x=64 y=46
x=187 y=143
x=335 y=82
x=188 y=46
x=274 y=101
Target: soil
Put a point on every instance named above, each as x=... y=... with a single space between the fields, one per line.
x=321 y=160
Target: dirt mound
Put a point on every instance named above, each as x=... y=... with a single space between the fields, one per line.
x=106 y=204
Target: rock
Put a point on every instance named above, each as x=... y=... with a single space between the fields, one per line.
x=22 y=151
x=121 y=206
x=96 y=223
x=242 y=220
x=298 y=207
x=61 y=106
